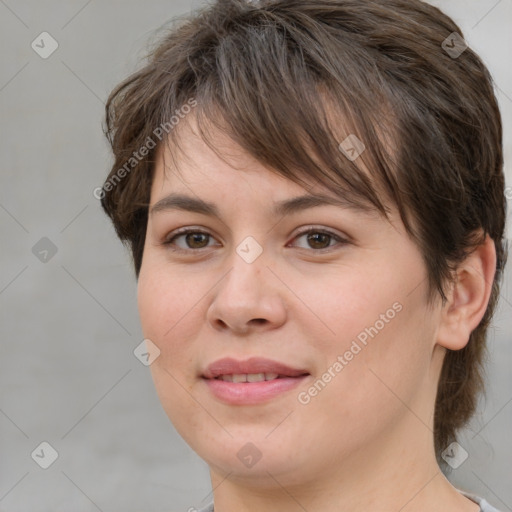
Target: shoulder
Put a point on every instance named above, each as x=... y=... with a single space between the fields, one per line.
x=208 y=508
x=484 y=505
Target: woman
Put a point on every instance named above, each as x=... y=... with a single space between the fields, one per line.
x=313 y=195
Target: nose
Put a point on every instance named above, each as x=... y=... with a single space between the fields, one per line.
x=249 y=298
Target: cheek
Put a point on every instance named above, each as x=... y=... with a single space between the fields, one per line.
x=168 y=306
x=350 y=305
x=380 y=308
x=376 y=385
x=379 y=341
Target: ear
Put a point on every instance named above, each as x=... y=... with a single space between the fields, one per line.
x=468 y=297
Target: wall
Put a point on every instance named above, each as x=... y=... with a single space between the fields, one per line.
x=69 y=324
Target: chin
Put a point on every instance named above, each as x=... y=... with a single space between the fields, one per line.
x=255 y=459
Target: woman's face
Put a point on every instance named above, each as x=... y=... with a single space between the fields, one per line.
x=320 y=307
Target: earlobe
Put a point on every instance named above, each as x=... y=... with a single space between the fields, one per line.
x=468 y=297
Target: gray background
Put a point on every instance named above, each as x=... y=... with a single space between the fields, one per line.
x=69 y=326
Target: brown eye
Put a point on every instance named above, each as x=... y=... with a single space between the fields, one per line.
x=190 y=240
x=319 y=239
x=196 y=240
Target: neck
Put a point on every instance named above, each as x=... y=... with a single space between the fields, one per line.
x=393 y=474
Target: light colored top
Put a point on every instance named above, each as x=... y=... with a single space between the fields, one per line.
x=484 y=506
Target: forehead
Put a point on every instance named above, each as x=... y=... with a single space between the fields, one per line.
x=215 y=166
x=207 y=183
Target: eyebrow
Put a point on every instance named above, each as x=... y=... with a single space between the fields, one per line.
x=286 y=207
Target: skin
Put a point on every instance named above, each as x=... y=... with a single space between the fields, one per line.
x=365 y=442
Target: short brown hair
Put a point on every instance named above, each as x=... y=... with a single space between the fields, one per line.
x=266 y=73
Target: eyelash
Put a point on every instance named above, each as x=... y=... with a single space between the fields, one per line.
x=185 y=231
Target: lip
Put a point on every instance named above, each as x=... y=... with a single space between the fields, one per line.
x=248 y=393
x=230 y=366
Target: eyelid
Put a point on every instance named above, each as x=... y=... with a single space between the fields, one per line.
x=185 y=231
x=340 y=239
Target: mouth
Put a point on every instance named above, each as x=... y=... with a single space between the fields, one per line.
x=254 y=368
x=249 y=377
x=253 y=381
